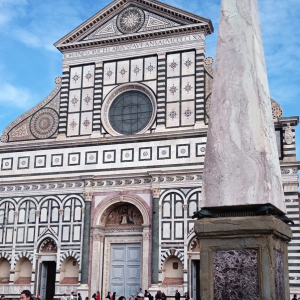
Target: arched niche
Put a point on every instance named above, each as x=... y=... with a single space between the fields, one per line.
x=4 y=271
x=69 y=271
x=48 y=246
x=172 y=273
x=105 y=210
x=23 y=271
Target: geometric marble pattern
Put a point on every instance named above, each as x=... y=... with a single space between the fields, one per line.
x=236 y=275
x=23 y=162
x=56 y=160
x=109 y=156
x=40 y=161
x=145 y=153
x=164 y=152
x=91 y=158
x=74 y=159
x=127 y=155
x=7 y=164
x=183 y=151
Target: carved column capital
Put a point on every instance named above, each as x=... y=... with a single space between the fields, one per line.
x=185 y=207
x=37 y=213
x=16 y=213
x=88 y=195
x=156 y=193
x=61 y=212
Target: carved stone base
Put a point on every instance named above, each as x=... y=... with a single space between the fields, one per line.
x=83 y=289
x=242 y=256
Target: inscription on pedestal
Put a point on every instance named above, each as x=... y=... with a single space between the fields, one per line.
x=235 y=275
x=279 y=276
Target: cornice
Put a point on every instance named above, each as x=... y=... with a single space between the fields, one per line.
x=83 y=142
x=131 y=38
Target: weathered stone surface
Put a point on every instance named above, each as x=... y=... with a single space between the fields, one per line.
x=241 y=163
x=236 y=236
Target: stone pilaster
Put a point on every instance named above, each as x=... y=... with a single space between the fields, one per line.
x=161 y=91
x=84 y=288
x=63 y=108
x=98 y=98
x=155 y=236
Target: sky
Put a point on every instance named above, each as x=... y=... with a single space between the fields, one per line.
x=29 y=62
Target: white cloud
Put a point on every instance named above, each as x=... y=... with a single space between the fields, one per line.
x=16 y=97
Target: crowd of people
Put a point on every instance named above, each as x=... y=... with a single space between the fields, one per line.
x=140 y=295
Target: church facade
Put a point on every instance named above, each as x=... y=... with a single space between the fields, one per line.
x=100 y=180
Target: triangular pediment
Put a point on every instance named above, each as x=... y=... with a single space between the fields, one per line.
x=132 y=17
x=129 y=20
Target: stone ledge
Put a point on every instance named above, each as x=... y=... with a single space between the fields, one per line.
x=240 y=226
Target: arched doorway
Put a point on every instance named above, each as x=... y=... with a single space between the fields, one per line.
x=69 y=271
x=172 y=271
x=47 y=254
x=120 y=247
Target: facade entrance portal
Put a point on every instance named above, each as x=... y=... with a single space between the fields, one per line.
x=125 y=269
x=48 y=273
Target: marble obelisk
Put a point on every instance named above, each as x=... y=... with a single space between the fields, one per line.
x=241 y=161
x=243 y=244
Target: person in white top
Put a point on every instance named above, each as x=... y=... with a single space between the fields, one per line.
x=63 y=297
x=72 y=296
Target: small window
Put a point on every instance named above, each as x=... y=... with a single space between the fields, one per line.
x=74 y=263
x=175 y=265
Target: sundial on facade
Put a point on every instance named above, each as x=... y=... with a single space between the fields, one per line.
x=131 y=20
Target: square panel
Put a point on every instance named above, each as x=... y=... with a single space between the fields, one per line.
x=73 y=124
x=74 y=101
x=182 y=151
x=136 y=73
x=56 y=160
x=188 y=63
x=109 y=74
x=173 y=65
x=88 y=76
x=178 y=232
x=145 y=153
x=86 y=123
x=7 y=164
x=188 y=113
x=40 y=161
x=127 y=155
x=164 y=152
x=74 y=159
x=75 y=78
x=23 y=162
x=166 y=230
x=173 y=89
x=200 y=149
x=109 y=156
x=91 y=157
x=123 y=71
x=150 y=71
x=188 y=88
x=87 y=100
x=173 y=115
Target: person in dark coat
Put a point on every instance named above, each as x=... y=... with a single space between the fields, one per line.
x=186 y=296
x=177 y=295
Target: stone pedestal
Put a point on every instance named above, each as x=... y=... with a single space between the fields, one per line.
x=243 y=258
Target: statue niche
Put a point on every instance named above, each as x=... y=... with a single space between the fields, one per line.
x=125 y=215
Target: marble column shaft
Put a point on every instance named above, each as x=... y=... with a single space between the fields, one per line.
x=86 y=243
x=241 y=161
x=155 y=237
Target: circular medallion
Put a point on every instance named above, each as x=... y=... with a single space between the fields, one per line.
x=44 y=123
x=130 y=20
x=129 y=109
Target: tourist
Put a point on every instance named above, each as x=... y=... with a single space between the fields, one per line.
x=122 y=298
x=79 y=296
x=94 y=297
x=64 y=297
x=98 y=296
x=26 y=295
x=177 y=295
x=72 y=296
x=186 y=296
x=108 y=296
x=132 y=297
x=2 y=297
x=163 y=296
x=295 y=297
x=140 y=291
x=148 y=295
x=86 y=298
x=158 y=295
x=113 y=297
